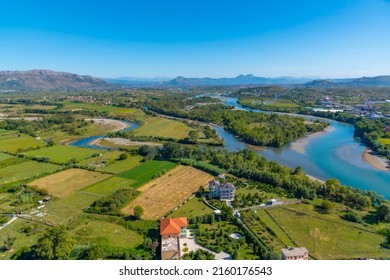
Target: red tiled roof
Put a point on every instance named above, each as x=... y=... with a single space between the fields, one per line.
x=172 y=225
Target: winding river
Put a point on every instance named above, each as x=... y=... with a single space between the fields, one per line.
x=334 y=154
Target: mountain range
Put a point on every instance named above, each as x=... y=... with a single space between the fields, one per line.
x=47 y=80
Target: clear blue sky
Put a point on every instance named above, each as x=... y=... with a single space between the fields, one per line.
x=194 y=38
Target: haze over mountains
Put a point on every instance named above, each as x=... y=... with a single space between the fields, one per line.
x=47 y=80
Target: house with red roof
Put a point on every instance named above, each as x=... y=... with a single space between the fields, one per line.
x=171 y=230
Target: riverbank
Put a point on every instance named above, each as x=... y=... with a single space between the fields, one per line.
x=300 y=144
x=123 y=142
x=375 y=161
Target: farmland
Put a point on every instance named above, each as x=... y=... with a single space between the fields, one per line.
x=145 y=172
x=64 y=183
x=109 y=186
x=62 y=154
x=325 y=237
x=19 y=144
x=159 y=127
x=25 y=171
x=165 y=193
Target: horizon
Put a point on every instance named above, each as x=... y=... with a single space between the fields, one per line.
x=321 y=40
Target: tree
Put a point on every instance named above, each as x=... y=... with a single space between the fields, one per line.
x=383 y=212
x=193 y=135
x=9 y=242
x=123 y=156
x=138 y=211
x=55 y=244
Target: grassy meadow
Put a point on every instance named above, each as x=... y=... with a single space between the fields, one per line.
x=62 y=154
x=159 y=127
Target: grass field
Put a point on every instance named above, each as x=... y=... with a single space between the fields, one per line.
x=122 y=165
x=159 y=127
x=165 y=193
x=25 y=170
x=193 y=208
x=61 y=210
x=62 y=154
x=64 y=183
x=18 y=144
x=4 y=156
x=143 y=173
x=115 y=235
x=109 y=186
x=15 y=229
x=326 y=239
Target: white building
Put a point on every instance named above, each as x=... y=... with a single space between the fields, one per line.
x=300 y=253
x=223 y=191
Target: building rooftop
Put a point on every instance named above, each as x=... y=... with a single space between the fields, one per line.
x=292 y=252
x=172 y=225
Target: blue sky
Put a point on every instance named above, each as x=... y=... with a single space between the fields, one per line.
x=194 y=38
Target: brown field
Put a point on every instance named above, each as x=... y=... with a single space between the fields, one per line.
x=165 y=193
x=65 y=182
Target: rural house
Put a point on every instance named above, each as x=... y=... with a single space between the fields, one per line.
x=223 y=191
x=171 y=230
x=300 y=253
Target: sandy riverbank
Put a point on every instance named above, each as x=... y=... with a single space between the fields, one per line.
x=110 y=124
x=300 y=144
x=315 y=179
x=124 y=142
x=375 y=161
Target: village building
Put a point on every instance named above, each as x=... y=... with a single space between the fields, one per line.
x=223 y=191
x=171 y=230
x=299 y=253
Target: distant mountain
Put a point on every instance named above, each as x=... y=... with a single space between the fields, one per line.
x=239 y=80
x=136 y=81
x=322 y=83
x=372 y=81
x=349 y=82
x=47 y=80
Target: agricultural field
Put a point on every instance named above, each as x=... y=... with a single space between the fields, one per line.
x=65 y=182
x=4 y=156
x=160 y=127
x=62 y=154
x=116 y=235
x=385 y=141
x=324 y=238
x=165 y=193
x=143 y=173
x=62 y=210
x=25 y=171
x=109 y=162
x=109 y=186
x=19 y=143
x=26 y=234
x=193 y=208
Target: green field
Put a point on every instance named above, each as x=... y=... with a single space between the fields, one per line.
x=4 y=156
x=25 y=170
x=63 y=209
x=19 y=144
x=159 y=127
x=116 y=235
x=62 y=154
x=193 y=208
x=385 y=141
x=325 y=238
x=109 y=186
x=15 y=229
x=143 y=173
x=122 y=165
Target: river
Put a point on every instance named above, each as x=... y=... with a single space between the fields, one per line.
x=335 y=154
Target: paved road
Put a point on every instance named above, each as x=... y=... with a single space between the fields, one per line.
x=9 y=222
